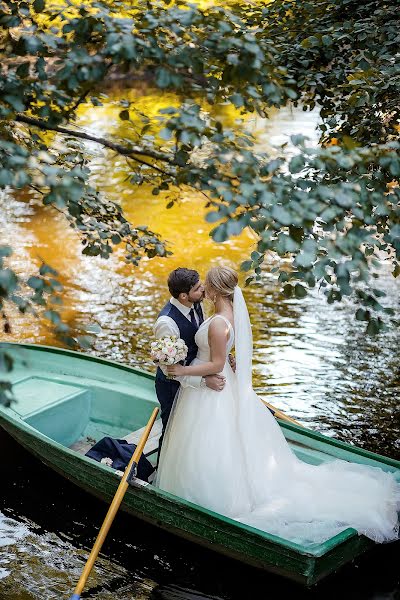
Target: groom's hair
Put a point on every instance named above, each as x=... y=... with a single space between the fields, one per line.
x=181 y=281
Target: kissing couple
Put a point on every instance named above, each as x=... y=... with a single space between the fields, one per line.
x=221 y=447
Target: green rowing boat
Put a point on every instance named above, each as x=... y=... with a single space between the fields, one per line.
x=65 y=401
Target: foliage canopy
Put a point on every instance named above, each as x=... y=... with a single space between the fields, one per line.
x=333 y=209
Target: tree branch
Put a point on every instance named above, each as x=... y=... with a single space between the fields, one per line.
x=154 y=167
x=119 y=148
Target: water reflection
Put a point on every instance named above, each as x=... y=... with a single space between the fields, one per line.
x=51 y=566
x=317 y=360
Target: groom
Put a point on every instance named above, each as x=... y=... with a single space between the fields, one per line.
x=181 y=316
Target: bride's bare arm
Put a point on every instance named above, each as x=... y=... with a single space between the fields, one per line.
x=217 y=336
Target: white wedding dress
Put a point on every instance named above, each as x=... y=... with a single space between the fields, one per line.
x=226 y=452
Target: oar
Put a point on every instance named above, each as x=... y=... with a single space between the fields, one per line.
x=130 y=473
x=281 y=415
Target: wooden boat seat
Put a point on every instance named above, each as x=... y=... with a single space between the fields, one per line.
x=83 y=445
x=153 y=439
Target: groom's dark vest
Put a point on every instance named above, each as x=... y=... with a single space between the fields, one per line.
x=166 y=388
x=187 y=331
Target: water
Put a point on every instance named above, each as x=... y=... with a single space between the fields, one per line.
x=311 y=360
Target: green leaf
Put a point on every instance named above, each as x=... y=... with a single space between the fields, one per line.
x=163 y=78
x=23 y=70
x=36 y=283
x=91 y=250
x=255 y=256
x=219 y=234
x=8 y=281
x=396 y=270
x=395 y=168
x=234 y=227
x=246 y=265
x=288 y=290
x=15 y=102
x=165 y=134
x=47 y=270
x=283 y=276
x=281 y=215
x=237 y=100
x=52 y=316
x=84 y=341
x=373 y=327
x=300 y=291
x=296 y=164
x=362 y=314
x=292 y=94
x=94 y=328
x=304 y=260
x=5 y=251
x=213 y=217
x=38 y=6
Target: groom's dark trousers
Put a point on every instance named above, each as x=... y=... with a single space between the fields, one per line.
x=166 y=389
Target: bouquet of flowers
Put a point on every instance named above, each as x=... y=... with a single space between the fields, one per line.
x=168 y=350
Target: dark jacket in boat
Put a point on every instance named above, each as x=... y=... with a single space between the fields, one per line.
x=120 y=452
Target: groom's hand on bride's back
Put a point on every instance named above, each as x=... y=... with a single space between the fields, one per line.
x=215 y=382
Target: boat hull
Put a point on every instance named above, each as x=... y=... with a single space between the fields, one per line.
x=162 y=510
x=248 y=545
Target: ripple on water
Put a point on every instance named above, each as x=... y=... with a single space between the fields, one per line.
x=47 y=566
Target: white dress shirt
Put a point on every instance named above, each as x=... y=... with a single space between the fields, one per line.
x=167 y=326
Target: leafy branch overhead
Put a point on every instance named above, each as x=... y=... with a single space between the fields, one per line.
x=39 y=295
x=333 y=210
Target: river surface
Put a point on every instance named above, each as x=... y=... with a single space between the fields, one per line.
x=311 y=359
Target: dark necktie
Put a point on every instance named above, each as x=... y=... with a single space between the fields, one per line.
x=193 y=318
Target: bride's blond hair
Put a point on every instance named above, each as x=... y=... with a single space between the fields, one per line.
x=223 y=280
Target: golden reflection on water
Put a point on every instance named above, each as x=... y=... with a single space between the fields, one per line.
x=183 y=225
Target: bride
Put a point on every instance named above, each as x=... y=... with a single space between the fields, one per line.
x=225 y=451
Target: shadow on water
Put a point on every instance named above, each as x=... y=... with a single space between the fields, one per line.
x=52 y=524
